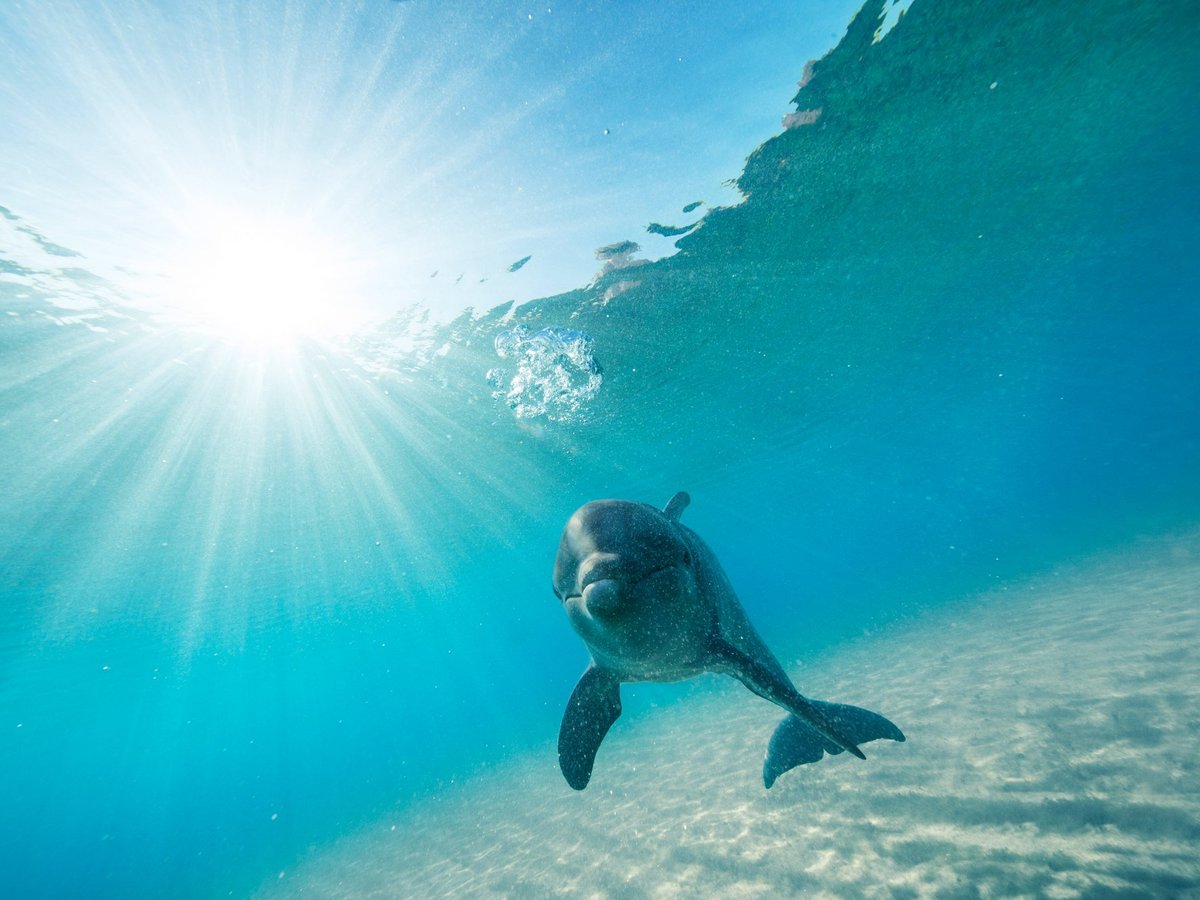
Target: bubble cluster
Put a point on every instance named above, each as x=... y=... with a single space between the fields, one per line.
x=553 y=373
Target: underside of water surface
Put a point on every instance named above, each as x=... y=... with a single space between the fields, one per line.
x=947 y=343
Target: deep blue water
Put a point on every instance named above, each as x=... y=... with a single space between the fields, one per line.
x=951 y=337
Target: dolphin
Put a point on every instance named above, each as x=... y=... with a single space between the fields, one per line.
x=652 y=603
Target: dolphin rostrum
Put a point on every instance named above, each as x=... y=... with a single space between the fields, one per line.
x=651 y=603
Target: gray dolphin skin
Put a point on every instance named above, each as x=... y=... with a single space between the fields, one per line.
x=651 y=603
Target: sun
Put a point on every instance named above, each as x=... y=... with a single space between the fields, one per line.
x=264 y=279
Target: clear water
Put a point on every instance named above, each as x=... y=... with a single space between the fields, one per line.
x=949 y=341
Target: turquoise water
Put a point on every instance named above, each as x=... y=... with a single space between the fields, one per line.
x=950 y=339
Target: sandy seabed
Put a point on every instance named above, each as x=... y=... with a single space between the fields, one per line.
x=1052 y=752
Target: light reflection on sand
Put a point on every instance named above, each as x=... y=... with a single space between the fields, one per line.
x=1051 y=752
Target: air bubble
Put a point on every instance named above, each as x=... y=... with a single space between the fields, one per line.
x=555 y=373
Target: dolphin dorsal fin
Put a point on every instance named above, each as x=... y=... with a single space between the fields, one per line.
x=676 y=505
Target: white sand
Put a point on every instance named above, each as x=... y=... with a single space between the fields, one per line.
x=1052 y=752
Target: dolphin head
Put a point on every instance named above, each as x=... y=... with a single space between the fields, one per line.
x=625 y=575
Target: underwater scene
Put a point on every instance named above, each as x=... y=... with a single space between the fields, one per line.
x=323 y=327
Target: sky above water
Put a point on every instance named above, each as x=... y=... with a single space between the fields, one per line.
x=383 y=153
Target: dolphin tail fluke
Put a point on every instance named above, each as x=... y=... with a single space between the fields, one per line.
x=594 y=705
x=770 y=683
x=795 y=742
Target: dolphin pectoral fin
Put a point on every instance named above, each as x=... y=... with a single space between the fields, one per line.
x=594 y=705
x=795 y=742
x=772 y=686
x=676 y=505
